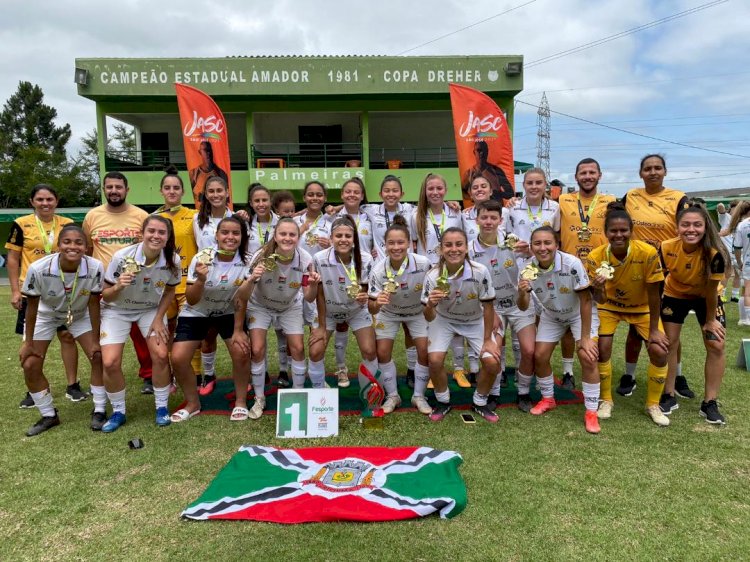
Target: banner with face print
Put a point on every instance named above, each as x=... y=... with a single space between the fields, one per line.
x=204 y=134
x=483 y=143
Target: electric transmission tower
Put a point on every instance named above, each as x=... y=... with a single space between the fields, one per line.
x=542 y=136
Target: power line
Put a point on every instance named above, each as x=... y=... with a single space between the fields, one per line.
x=631 y=31
x=685 y=145
x=672 y=180
x=467 y=27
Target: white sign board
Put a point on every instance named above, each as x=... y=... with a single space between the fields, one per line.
x=307 y=412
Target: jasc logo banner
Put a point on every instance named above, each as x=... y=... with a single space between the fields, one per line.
x=204 y=134
x=483 y=143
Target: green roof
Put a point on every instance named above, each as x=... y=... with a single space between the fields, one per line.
x=75 y=213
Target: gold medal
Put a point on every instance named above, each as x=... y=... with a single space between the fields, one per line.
x=530 y=272
x=205 y=256
x=510 y=241
x=584 y=235
x=390 y=286
x=311 y=239
x=69 y=317
x=352 y=290
x=269 y=263
x=443 y=285
x=606 y=270
x=129 y=265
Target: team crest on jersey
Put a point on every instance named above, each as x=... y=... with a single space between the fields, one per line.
x=224 y=280
x=85 y=292
x=364 y=232
x=546 y=223
x=237 y=282
x=160 y=284
x=508 y=263
x=636 y=277
x=550 y=286
x=471 y=296
x=147 y=280
x=564 y=290
x=418 y=287
x=282 y=278
x=493 y=262
x=294 y=285
x=342 y=279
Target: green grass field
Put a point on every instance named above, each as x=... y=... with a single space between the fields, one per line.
x=539 y=488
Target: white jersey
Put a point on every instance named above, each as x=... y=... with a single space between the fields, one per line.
x=407 y=301
x=556 y=290
x=319 y=227
x=468 y=291
x=148 y=287
x=472 y=228
x=259 y=233
x=382 y=219
x=502 y=264
x=450 y=218
x=222 y=282
x=523 y=220
x=279 y=289
x=335 y=280
x=43 y=280
x=364 y=229
x=741 y=239
x=205 y=237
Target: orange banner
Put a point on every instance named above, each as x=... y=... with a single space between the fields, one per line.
x=204 y=134
x=483 y=143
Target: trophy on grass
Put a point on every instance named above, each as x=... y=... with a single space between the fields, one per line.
x=372 y=396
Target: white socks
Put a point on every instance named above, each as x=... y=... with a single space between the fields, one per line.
x=411 y=357
x=209 y=361
x=546 y=385
x=523 y=383
x=317 y=370
x=457 y=344
x=388 y=378
x=99 y=396
x=117 y=399
x=421 y=378
x=43 y=401
x=591 y=396
x=340 y=340
x=161 y=396
x=298 y=373
x=258 y=371
x=567 y=365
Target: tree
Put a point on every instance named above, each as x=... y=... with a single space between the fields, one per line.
x=120 y=145
x=26 y=121
x=32 y=150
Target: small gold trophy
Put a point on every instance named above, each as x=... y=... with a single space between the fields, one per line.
x=129 y=265
x=311 y=239
x=530 y=272
x=69 y=317
x=510 y=241
x=270 y=262
x=606 y=270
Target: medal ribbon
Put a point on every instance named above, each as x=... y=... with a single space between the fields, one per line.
x=444 y=274
x=389 y=272
x=164 y=208
x=263 y=235
x=70 y=296
x=609 y=257
x=532 y=217
x=438 y=230
x=586 y=217
x=351 y=271
x=48 y=238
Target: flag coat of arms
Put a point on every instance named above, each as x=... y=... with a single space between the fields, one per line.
x=334 y=484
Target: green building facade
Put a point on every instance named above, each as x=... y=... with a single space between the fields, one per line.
x=321 y=118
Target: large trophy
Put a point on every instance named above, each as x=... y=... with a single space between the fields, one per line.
x=372 y=396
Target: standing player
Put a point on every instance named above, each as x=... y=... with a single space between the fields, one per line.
x=533 y=211
x=561 y=286
x=500 y=260
x=31 y=238
x=654 y=208
x=581 y=230
x=739 y=229
x=457 y=299
x=213 y=280
x=395 y=287
x=630 y=295
x=694 y=263
x=139 y=285
x=110 y=227
x=62 y=289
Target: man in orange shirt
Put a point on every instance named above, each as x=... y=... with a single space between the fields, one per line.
x=110 y=227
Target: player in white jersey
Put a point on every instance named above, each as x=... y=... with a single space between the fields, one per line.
x=740 y=229
x=458 y=300
x=213 y=280
x=139 y=286
x=342 y=297
x=215 y=208
x=395 y=300
x=381 y=215
x=532 y=211
x=263 y=221
x=281 y=275
x=502 y=264
x=480 y=190
x=560 y=285
x=724 y=216
x=62 y=290
x=427 y=224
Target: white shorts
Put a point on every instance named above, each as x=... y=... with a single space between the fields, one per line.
x=441 y=331
x=387 y=325
x=516 y=319
x=356 y=320
x=745 y=271
x=46 y=326
x=289 y=321
x=310 y=314
x=116 y=324
x=551 y=329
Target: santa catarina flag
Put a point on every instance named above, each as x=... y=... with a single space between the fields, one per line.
x=334 y=484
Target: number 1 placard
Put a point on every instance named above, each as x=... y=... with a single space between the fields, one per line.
x=308 y=412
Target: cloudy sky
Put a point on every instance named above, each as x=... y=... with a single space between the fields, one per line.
x=686 y=81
